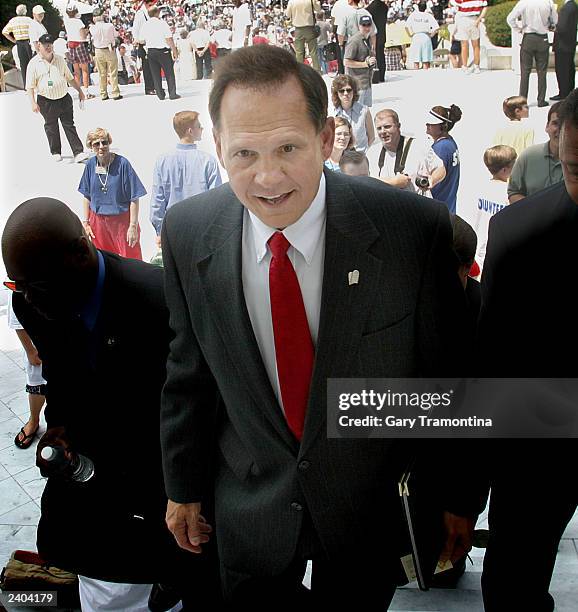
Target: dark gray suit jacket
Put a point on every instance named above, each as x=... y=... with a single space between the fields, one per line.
x=401 y=320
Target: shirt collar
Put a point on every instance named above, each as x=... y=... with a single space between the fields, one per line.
x=186 y=146
x=547 y=152
x=303 y=235
x=89 y=313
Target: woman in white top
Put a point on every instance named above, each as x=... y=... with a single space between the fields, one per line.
x=77 y=35
x=421 y=26
x=345 y=98
x=186 y=65
x=343 y=140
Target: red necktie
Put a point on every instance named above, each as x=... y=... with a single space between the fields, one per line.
x=293 y=345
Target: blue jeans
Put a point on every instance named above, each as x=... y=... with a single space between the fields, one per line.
x=322 y=62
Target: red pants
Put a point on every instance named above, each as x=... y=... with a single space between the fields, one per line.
x=110 y=234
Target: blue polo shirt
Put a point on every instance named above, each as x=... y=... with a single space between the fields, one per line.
x=447 y=190
x=122 y=186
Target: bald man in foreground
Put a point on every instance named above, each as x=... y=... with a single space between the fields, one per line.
x=101 y=328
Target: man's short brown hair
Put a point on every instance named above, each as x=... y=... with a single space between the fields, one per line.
x=499 y=157
x=183 y=121
x=267 y=67
x=512 y=104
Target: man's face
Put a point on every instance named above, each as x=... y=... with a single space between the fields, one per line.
x=52 y=285
x=272 y=151
x=365 y=30
x=553 y=129
x=45 y=50
x=388 y=131
x=569 y=158
x=39 y=16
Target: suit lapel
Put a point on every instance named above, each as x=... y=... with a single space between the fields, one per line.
x=220 y=271
x=344 y=306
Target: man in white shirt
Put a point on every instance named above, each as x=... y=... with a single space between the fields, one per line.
x=241 y=24
x=104 y=41
x=161 y=53
x=223 y=38
x=201 y=39
x=401 y=161
x=338 y=11
x=140 y=18
x=534 y=19
x=36 y=29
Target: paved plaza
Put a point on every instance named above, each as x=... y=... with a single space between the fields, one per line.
x=141 y=127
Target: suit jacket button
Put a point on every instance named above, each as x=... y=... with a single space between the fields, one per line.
x=304 y=466
x=297 y=507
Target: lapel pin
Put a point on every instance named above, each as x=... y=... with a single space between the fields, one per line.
x=353 y=277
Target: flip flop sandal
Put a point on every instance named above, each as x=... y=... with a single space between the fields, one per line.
x=27 y=440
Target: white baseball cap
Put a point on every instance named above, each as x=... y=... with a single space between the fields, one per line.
x=38 y=10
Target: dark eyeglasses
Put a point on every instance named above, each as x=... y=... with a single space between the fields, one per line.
x=100 y=143
x=21 y=286
x=345 y=90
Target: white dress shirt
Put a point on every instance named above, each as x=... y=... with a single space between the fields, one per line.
x=155 y=33
x=537 y=16
x=307 y=254
x=103 y=35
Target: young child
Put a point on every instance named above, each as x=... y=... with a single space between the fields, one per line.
x=493 y=197
x=516 y=133
x=35 y=384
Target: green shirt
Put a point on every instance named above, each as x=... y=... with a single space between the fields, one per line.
x=534 y=170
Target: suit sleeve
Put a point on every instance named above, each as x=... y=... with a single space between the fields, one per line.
x=189 y=397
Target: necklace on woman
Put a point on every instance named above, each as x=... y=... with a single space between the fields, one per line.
x=103 y=186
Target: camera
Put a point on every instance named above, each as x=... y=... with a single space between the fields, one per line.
x=422 y=182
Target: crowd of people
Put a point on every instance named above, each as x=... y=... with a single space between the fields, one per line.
x=251 y=315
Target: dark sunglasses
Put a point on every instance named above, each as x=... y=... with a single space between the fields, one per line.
x=100 y=143
x=345 y=90
x=20 y=286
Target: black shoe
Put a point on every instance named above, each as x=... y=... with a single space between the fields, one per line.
x=542 y=104
x=152 y=92
x=175 y=97
x=118 y=98
x=103 y=99
x=557 y=98
x=163 y=597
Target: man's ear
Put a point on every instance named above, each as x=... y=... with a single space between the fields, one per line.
x=80 y=250
x=327 y=135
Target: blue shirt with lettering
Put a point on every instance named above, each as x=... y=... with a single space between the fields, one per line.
x=447 y=190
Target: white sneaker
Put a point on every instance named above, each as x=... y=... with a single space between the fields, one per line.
x=477 y=70
x=57 y=157
x=80 y=158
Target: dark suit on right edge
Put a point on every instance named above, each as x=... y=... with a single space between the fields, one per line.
x=529 y=328
x=275 y=498
x=565 y=47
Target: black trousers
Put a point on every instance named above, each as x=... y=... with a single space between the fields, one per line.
x=204 y=61
x=24 y=55
x=534 y=48
x=565 y=72
x=379 y=75
x=162 y=58
x=124 y=79
x=146 y=69
x=52 y=111
x=530 y=508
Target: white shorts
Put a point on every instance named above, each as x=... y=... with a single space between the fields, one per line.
x=466 y=28
x=33 y=374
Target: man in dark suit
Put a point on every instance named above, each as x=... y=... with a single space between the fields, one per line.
x=565 y=49
x=100 y=325
x=528 y=329
x=280 y=279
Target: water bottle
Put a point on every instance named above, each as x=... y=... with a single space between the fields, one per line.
x=78 y=468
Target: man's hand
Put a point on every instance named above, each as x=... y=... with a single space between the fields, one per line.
x=187 y=525
x=460 y=534
x=371 y=61
x=401 y=180
x=55 y=436
x=158 y=241
x=35 y=107
x=81 y=95
x=33 y=358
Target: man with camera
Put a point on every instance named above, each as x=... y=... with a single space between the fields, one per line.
x=359 y=59
x=403 y=162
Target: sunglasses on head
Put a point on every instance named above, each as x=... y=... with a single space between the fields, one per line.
x=345 y=90
x=100 y=143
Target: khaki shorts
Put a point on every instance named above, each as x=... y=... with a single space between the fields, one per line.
x=466 y=28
